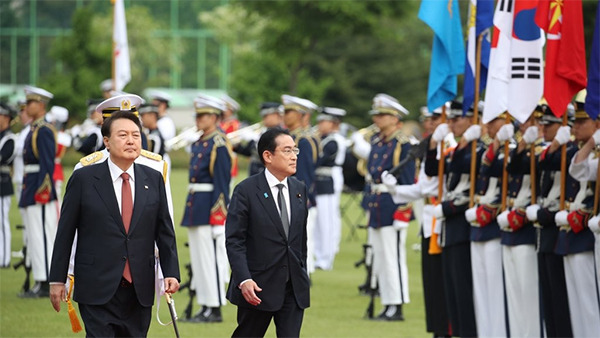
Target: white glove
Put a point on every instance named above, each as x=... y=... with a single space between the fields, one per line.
x=505 y=133
x=399 y=225
x=596 y=137
x=438 y=212
x=503 y=220
x=472 y=133
x=594 y=225
x=561 y=218
x=440 y=133
x=217 y=230
x=563 y=134
x=530 y=135
x=471 y=214
x=389 y=180
x=532 y=212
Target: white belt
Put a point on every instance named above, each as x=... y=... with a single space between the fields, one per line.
x=31 y=168
x=324 y=171
x=200 y=187
x=5 y=169
x=379 y=188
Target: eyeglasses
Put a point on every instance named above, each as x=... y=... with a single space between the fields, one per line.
x=289 y=151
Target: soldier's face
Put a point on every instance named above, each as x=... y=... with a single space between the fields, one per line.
x=325 y=127
x=458 y=125
x=206 y=121
x=125 y=141
x=292 y=118
x=385 y=121
x=35 y=109
x=4 y=122
x=149 y=120
x=583 y=129
x=549 y=131
x=271 y=120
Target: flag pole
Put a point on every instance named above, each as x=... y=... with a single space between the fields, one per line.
x=434 y=246
x=532 y=174
x=112 y=52
x=563 y=167
x=505 y=171
x=597 y=188
x=473 y=175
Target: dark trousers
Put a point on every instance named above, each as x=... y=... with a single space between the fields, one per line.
x=288 y=319
x=458 y=285
x=555 y=302
x=436 y=316
x=122 y=316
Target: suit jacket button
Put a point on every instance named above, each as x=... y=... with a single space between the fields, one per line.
x=284 y=267
x=124 y=258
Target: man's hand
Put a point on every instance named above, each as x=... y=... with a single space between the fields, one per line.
x=249 y=290
x=57 y=294
x=472 y=133
x=563 y=135
x=171 y=285
x=217 y=230
x=530 y=135
x=440 y=133
x=505 y=133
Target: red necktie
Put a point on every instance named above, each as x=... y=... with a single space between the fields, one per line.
x=126 y=212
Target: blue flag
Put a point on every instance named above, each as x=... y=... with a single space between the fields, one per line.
x=448 y=52
x=592 y=99
x=481 y=18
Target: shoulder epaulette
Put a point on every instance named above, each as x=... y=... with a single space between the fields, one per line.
x=400 y=136
x=91 y=158
x=150 y=155
x=219 y=140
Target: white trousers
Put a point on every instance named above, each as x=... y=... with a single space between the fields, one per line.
x=389 y=264
x=580 y=276
x=41 y=223
x=5 y=236
x=328 y=230
x=488 y=288
x=522 y=290
x=310 y=241
x=210 y=267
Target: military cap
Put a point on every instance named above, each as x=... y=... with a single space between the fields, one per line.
x=127 y=102
x=386 y=104
x=106 y=85
x=456 y=110
x=300 y=105
x=37 y=94
x=160 y=96
x=205 y=104
x=331 y=114
x=7 y=110
x=267 y=108
x=148 y=108
x=549 y=117
x=230 y=103
x=57 y=114
x=579 y=105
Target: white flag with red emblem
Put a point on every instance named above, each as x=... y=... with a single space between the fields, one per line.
x=121 y=65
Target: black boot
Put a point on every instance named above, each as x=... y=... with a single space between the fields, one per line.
x=391 y=313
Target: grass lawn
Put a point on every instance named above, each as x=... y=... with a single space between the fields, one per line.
x=337 y=309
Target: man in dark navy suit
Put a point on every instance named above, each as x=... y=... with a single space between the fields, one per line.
x=119 y=210
x=266 y=243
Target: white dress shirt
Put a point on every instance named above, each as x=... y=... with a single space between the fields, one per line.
x=272 y=181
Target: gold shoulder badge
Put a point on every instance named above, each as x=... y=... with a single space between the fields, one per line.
x=219 y=140
x=91 y=158
x=151 y=155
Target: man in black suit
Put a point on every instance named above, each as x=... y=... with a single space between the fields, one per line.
x=266 y=243
x=117 y=227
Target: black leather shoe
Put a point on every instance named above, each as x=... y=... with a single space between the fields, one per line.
x=39 y=290
x=211 y=315
x=391 y=313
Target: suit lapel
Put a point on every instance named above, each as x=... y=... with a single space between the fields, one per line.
x=141 y=193
x=268 y=202
x=104 y=186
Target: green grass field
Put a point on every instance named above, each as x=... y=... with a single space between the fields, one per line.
x=337 y=308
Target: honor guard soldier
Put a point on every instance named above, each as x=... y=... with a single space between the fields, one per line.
x=149 y=117
x=271 y=113
x=519 y=257
x=39 y=194
x=329 y=182
x=426 y=188
x=230 y=123
x=206 y=209
x=455 y=236
x=295 y=110
x=87 y=137
x=555 y=304
x=486 y=251
x=387 y=220
x=58 y=117
x=165 y=123
x=576 y=240
x=7 y=155
x=106 y=87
